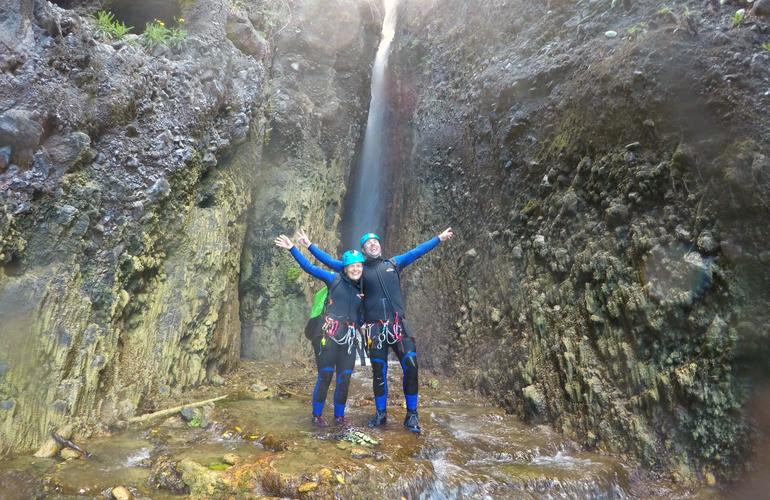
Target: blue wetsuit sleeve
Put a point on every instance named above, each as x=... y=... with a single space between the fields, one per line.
x=412 y=255
x=325 y=258
x=309 y=268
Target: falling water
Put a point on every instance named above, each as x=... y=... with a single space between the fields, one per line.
x=367 y=201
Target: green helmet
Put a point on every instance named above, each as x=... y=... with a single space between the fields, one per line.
x=368 y=236
x=352 y=257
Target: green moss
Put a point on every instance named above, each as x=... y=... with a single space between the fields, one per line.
x=560 y=142
x=292 y=274
x=531 y=206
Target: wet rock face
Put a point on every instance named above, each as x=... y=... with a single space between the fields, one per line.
x=321 y=73
x=125 y=181
x=599 y=184
x=128 y=177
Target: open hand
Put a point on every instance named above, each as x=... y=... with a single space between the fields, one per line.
x=283 y=241
x=447 y=234
x=302 y=237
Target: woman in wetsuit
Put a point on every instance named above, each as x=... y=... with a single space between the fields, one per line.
x=335 y=345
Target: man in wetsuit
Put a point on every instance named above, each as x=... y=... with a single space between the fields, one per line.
x=385 y=318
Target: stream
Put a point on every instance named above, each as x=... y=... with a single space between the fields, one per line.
x=468 y=449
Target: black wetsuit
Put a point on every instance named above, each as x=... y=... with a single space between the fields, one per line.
x=335 y=345
x=384 y=313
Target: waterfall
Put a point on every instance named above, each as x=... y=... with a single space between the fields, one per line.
x=366 y=202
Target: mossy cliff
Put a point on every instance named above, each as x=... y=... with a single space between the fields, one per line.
x=608 y=185
x=128 y=179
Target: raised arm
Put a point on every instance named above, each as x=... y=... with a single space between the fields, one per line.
x=315 y=271
x=407 y=258
x=319 y=254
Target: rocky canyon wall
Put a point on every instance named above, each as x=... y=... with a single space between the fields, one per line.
x=606 y=168
x=132 y=178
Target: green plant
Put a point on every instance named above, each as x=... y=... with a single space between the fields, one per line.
x=766 y=46
x=109 y=26
x=177 y=36
x=156 y=33
x=196 y=422
x=665 y=10
x=638 y=29
x=738 y=17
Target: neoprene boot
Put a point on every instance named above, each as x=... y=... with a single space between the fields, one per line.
x=379 y=418
x=319 y=421
x=341 y=422
x=412 y=422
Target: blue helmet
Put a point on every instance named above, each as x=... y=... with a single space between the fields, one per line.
x=368 y=236
x=352 y=257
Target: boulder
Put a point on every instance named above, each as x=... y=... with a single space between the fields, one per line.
x=66 y=150
x=16 y=24
x=760 y=8
x=166 y=475
x=616 y=214
x=535 y=399
x=243 y=35
x=19 y=129
x=203 y=483
x=51 y=447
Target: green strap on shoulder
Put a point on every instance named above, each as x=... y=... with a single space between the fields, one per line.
x=319 y=299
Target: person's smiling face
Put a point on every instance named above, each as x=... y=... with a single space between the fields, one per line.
x=354 y=271
x=372 y=248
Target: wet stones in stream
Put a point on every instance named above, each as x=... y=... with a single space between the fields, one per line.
x=165 y=475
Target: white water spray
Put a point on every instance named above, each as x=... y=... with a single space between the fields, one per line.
x=367 y=200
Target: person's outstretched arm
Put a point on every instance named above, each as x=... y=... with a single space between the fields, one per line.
x=319 y=254
x=412 y=255
x=314 y=271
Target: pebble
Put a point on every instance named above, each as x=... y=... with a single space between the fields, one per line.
x=611 y=34
x=159 y=190
x=495 y=315
x=706 y=243
x=121 y=493
x=258 y=387
x=307 y=487
x=325 y=475
x=188 y=413
x=360 y=453
x=69 y=454
x=231 y=458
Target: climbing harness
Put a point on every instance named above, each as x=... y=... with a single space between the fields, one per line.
x=332 y=326
x=385 y=332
